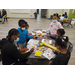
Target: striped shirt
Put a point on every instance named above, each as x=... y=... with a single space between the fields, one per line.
x=54 y=27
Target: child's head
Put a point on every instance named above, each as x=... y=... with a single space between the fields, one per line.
x=22 y=24
x=60 y=33
x=61 y=43
x=54 y=19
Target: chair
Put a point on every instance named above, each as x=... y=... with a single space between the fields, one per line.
x=70 y=47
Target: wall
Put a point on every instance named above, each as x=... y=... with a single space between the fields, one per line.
x=59 y=11
x=52 y=11
x=31 y=14
x=66 y=10
x=71 y=15
x=23 y=15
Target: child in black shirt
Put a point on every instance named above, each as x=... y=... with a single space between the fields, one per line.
x=63 y=57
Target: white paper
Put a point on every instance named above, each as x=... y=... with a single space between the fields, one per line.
x=33 y=33
x=44 y=33
x=32 y=46
x=38 y=31
x=32 y=41
x=49 y=54
x=47 y=41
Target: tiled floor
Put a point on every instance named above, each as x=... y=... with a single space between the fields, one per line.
x=38 y=24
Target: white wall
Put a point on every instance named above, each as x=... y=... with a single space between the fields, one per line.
x=23 y=15
x=52 y=11
x=59 y=11
x=31 y=14
x=66 y=10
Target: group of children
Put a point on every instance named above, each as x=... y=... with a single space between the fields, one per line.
x=61 y=41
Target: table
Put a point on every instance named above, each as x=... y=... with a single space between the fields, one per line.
x=32 y=55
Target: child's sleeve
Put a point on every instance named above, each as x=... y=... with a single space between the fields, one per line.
x=27 y=35
x=60 y=26
x=48 y=30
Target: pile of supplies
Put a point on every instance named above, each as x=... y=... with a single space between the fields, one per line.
x=41 y=48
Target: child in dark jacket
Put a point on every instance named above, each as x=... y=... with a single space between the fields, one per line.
x=63 y=57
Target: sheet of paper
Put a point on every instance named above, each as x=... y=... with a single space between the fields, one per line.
x=49 y=54
x=32 y=41
x=32 y=46
x=47 y=41
x=38 y=31
x=33 y=33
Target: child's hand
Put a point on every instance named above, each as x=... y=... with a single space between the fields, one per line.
x=31 y=50
x=48 y=36
x=54 y=43
x=43 y=31
x=34 y=37
x=24 y=50
x=53 y=51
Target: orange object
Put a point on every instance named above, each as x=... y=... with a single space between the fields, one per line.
x=23 y=49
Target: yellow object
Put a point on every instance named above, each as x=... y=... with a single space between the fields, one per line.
x=65 y=19
x=42 y=35
x=38 y=53
x=32 y=46
x=54 y=18
x=5 y=16
x=40 y=45
x=50 y=46
x=41 y=48
x=34 y=36
x=33 y=31
x=39 y=34
x=43 y=29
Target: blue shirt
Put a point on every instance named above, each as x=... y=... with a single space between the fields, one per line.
x=23 y=36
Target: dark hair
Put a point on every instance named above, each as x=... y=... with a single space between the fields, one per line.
x=66 y=13
x=61 y=32
x=54 y=15
x=27 y=25
x=21 y=22
x=12 y=32
x=63 y=15
x=66 y=38
x=61 y=42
